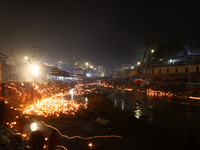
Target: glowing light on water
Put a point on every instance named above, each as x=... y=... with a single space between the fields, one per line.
x=122 y=104
x=138 y=113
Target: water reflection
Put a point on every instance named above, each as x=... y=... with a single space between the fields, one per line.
x=155 y=106
x=137 y=113
x=122 y=104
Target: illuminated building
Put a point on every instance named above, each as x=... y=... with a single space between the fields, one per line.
x=2 y=57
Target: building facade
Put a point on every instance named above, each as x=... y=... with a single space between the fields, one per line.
x=2 y=58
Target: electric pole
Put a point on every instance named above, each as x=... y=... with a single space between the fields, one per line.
x=35 y=47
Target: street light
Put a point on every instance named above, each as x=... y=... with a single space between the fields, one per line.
x=139 y=63
x=26 y=57
x=86 y=65
x=35 y=69
x=152 y=51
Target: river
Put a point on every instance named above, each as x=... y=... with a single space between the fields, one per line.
x=157 y=108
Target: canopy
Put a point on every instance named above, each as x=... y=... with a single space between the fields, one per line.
x=137 y=81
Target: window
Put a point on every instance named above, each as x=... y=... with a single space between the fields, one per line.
x=186 y=69
x=152 y=71
x=167 y=70
x=176 y=70
x=159 y=70
x=197 y=69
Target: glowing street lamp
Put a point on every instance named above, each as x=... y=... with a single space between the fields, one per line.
x=26 y=57
x=152 y=51
x=35 y=69
x=141 y=65
x=86 y=63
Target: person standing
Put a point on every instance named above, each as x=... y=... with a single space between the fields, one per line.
x=2 y=111
x=3 y=89
x=37 y=139
x=52 y=142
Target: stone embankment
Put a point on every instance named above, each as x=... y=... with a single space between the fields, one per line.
x=11 y=140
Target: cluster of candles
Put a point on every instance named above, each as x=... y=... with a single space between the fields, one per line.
x=53 y=107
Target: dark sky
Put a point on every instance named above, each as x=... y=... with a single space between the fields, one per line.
x=108 y=33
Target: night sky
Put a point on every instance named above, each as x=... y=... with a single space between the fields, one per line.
x=107 y=33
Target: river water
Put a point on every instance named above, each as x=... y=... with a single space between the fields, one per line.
x=156 y=108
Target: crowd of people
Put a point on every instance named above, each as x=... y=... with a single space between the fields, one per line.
x=18 y=94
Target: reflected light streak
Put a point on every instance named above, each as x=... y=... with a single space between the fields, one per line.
x=137 y=114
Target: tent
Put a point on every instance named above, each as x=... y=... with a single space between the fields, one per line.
x=137 y=81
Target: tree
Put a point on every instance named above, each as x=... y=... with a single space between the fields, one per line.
x=163 y=50
x=151 y=47
x=193 y=40
x=170 y=50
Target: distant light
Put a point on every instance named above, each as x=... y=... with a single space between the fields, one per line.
x=138 y=63
x=90 y=145
x=152 y=51
x=26 y=58
x=170 y=60
x=86 y=63
x=132 y=67
x=88 y=75
x=72 y=91
x=91 y=67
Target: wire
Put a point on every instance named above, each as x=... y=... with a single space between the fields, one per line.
x=62 y=147
x=102 y=136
